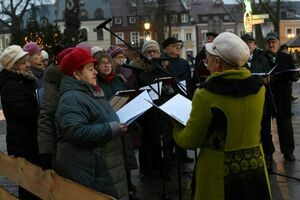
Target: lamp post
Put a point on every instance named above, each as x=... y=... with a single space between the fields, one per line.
x=147 y=28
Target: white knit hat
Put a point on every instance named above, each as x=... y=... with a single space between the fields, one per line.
x=230 y=48
x=10 y=56
x=150 y=44
x=45 y=55
x=96 y=49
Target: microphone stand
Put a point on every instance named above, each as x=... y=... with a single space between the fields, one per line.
x=164 y=196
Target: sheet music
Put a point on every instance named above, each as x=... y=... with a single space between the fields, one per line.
x=182 y=86
x=178 y=107
x=266 y=73
x=153 y=94
x=135 y=108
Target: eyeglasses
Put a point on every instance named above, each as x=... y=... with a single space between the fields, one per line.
x=152 y=51
x=178 y=46
x=105 y=64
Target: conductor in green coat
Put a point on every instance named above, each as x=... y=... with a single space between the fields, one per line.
x=225 y=124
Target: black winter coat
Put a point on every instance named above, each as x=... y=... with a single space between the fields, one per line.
x=20 y=109
x=280 y=82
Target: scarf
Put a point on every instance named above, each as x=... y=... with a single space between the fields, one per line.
x=109 y=78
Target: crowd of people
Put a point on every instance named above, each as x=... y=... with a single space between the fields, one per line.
x=59 y=117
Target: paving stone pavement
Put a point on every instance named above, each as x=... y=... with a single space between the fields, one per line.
x=151 y=188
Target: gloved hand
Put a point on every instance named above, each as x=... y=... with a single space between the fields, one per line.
x=46 y=161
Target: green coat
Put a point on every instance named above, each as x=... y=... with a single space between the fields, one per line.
x=225 y=123
x=89 y=149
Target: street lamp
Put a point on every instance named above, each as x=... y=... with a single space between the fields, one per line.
x=147 y=27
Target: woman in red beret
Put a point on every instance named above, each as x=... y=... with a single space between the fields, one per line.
x=89 y=149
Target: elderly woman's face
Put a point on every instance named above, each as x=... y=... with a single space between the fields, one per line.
x=119 y=59
x=105 y=67
x=87 y=74
x=36 y=59
x=213 y=63
x=23 y=64
x=152 y=53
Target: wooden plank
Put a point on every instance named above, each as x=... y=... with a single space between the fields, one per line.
x=45 y=184
x=4 y=194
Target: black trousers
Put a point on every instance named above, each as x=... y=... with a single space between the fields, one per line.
x=286 y=134
x=266 y=136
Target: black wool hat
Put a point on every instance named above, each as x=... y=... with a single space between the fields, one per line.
x=170 y=40
x=247 y=37
x=214 y=34
x=272 y=36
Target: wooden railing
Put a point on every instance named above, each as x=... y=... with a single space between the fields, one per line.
x=45 y=184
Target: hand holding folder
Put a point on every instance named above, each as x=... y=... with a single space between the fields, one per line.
x=134 y=108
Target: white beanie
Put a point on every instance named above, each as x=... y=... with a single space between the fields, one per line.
x=150 y=44
x=96 y=49
x=45 y=55
x=230 y=48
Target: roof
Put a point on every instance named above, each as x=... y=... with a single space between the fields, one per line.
x=90 y=6
x=206 y=7
x=121 y=8
x=294 y=42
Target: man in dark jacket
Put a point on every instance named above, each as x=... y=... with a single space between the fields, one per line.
x=280 y=84
x=179 y=68
x=258 y=64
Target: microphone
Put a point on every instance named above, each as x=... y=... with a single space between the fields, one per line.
x=134 y=68
x=103 y=24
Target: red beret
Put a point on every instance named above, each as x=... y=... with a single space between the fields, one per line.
x=75 y=60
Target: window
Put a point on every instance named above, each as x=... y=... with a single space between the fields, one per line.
x=84 y=34
x=175 y=35
x=83 y=15
x=204 y=18
x=242 y=32
x=100 y=34
x=121 y=35
x=133 y=3
x=184 y=18
x=145 y=18
x=230 y=30
x=297 y=31
x=188 y=36
x=289 y=31
x=118 y=20
x=149 y=1
x=290 y=14
x=203 y=35
x=135 y=38
x=226 y=17
x=216 y=18
x=132 y=20
x=173 y=19
x=99 y=14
